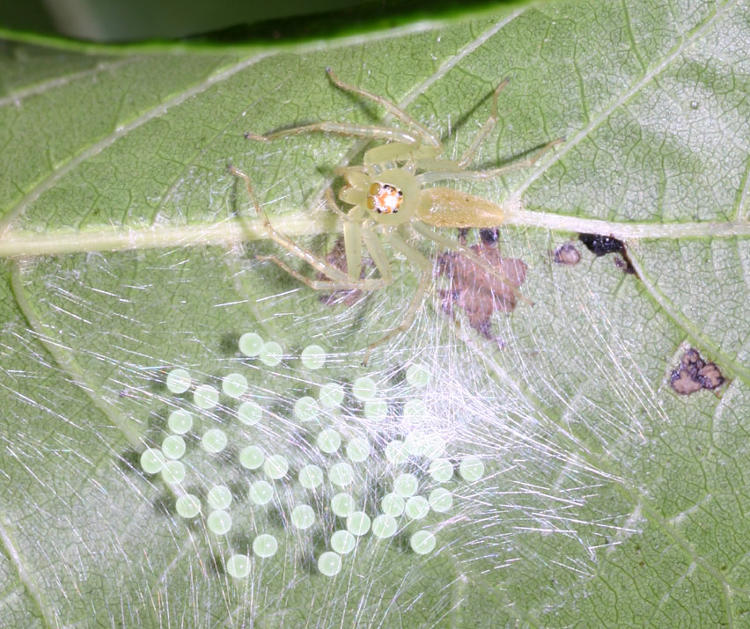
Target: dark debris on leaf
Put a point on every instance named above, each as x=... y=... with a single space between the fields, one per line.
x=567 y=254
x=601 y=245
x=694 y=374
x=483 y=286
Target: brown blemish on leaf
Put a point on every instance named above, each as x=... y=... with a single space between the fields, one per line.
x=567 y=254
x=481 y=287
x=694 y=374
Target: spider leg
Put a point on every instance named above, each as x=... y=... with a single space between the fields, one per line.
x=355 y=233
x=486 y=128
x=390 y=107
x=332 y=205
x=494 y=172
x=372 y=132
x=352 y=238
x=338 y=279
x=425 y=265
x=377 y=253
x=324 y=285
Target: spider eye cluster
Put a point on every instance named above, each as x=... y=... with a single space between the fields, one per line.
x=384 y=198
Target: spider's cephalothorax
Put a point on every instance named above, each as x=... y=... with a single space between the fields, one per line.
x=384 y=198
x=391 y=191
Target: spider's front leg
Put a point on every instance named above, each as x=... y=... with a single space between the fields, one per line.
x=415 y=134
x=425 y=266
x=337 y=279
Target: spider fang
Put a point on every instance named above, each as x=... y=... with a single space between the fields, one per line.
x=384 y=198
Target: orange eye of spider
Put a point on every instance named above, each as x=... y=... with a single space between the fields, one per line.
x=384 y=198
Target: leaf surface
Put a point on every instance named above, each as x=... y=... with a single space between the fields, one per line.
x=129 y=250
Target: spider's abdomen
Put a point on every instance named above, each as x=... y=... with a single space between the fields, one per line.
x=384 y=198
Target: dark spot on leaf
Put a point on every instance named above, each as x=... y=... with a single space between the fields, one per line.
x=567 y=254
x=228 y=343
x=489 y=236
x=694 y=374
x=602 y=245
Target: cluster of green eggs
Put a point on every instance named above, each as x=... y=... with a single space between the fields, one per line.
x=402 y=506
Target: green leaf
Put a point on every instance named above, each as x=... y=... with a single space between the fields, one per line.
x=129 y=250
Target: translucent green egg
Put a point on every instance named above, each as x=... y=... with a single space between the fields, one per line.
x=173 y=447
x=205 y=396
x=219 y=497
x=214 y=440
x=250 y=344
x=275 y=466
x=416 y=507
x=306 y=409
x=358 y=449
x=238 y=566
x=303 y=516
x=173 y=472
x=422 y=542
x=152 y=461
x=396 y=452
x=364 y=389
x=405 y=485
x=331 y=395
x=418 y=375
x=219 y=522
x=251 y=457
x=341 y=474
x=178 y=380
x=271 y=353
x=180 y=421
x=328 y=440
x=471 y=468
x=329 y=563
x=342 y=504
x=376 y=410
x=384 y=526
x=234 y=385
x=265 y=545
x=441 y=470
x=342 y=542
x=261 y=492
x=313 y=357
x=441 y=500
x=249 y=413
x=310 y=476
x=392 y=504
x=358 y=523
x=188 y=506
